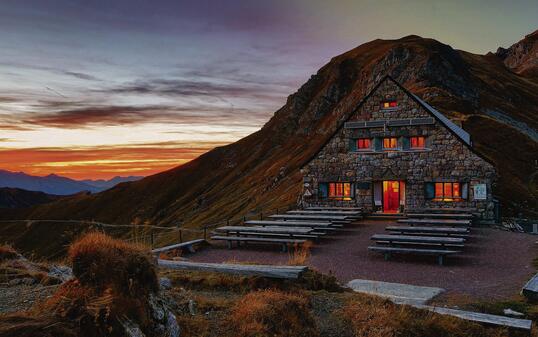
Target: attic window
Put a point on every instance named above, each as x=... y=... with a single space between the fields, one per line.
x=389 y=104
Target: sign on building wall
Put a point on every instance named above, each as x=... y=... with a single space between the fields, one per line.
x=479 y=192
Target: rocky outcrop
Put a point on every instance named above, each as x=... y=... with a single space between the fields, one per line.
x=522 y=57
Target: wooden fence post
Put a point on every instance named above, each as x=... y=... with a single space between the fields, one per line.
x=261 y=215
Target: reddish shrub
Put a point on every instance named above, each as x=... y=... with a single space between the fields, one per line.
x=372 y=316
x=7 y=253
x=272 y=313
x=103 y=262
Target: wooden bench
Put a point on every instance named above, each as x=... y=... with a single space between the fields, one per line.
x=387 y=251
x=464 y=216
x=282 y=241
x=188 y=245
x=290 y=231
x=264 y=223
x=327 y=227
x=311 y=236
x=418 y=230
x=297 y=217
x=321 y=208
x=270 y=271
x=418 y=240
x=433 y=222
x=349 y=214
x=443 y=210
x=530 y=289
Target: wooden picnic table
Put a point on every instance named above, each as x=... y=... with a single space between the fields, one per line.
x=356 y=209
x=290 y=223
x=448 y=231
x=440 y=215
x=334 y=218
x=342 y=213
x=446 y=222
x=418 y=240
x=275 y=230
x=290 y=235
x=445 y=210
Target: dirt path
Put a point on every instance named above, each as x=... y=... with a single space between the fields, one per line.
x=22 y=297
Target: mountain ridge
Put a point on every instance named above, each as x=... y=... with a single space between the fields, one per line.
x=57 y=185
x=19 y=198
x=262 y=170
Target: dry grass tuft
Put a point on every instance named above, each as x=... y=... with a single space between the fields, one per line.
x=14 y=266
x=196 y=280
x=7 y=253
x=376 y=317
x=272 y=313
x=300 y=254
x=103 y=262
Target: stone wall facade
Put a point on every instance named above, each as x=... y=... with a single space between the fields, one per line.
x=445 y=158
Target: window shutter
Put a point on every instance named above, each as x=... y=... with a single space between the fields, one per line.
x=323 y=190
x=352 y=144
x=352 y=190
x=378 y=193
x=429 y=190
x=405 y=143
x=428 y=142
x=465 y=191
x=378 y=146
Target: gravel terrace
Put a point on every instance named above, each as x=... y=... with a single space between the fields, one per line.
x=495 y=264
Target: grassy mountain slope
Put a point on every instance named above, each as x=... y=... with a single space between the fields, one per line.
x=19 y=198
x=497 y=105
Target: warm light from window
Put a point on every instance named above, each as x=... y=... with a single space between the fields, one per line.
x=447 y=191
x=389 y=104
x=363 y=144
x=418 y=142
x=340 y=191
x=390 y=143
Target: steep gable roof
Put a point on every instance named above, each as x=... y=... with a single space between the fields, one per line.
x=458 y=131
x=451 y=126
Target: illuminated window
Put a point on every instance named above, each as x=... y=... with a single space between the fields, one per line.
x=390 y=143
x=418 y=142
x=364 y=144
x=340 y=191
x=389 y=104
x=447 y=191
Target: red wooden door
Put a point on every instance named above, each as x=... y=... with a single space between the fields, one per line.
x=391 y=196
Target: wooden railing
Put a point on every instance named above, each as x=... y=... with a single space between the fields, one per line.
x=147 y=234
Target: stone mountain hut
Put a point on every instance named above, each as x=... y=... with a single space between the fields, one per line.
x=395 y=153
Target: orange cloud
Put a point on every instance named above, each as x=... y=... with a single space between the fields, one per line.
x=102 y=162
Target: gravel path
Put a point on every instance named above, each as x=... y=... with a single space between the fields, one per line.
x=495 y=264
x=22 y=297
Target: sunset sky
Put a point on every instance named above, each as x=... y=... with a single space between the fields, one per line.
x=95 y=89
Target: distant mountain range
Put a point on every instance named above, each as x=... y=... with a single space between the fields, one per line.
x=58 y=185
